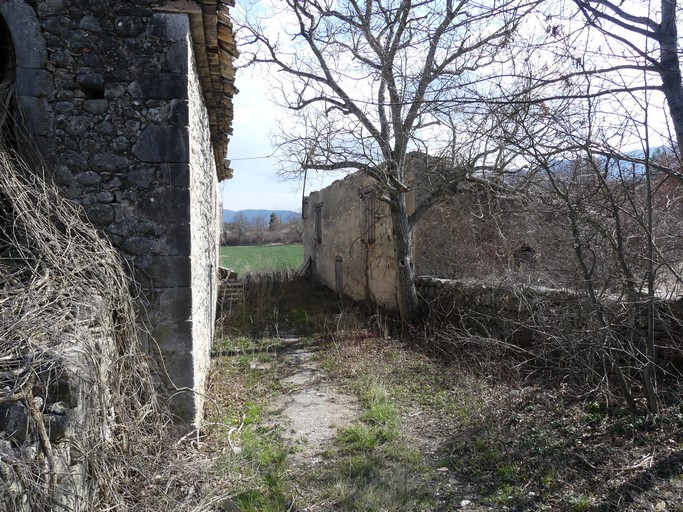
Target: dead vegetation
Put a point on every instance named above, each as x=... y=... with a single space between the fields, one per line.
x=83 y=425
x=449 y=421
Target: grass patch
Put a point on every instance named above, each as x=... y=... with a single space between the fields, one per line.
x=431 y=434
x=262 y=258
x=372 y=465
x=255 y=456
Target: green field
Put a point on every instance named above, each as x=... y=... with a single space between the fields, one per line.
x=263 y=258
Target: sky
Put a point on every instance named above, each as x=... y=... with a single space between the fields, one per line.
x=255 y=183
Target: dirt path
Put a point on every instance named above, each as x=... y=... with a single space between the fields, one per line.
x=311 y=407
x=312 y=411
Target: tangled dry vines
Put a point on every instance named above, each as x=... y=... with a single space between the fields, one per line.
x=71 y=370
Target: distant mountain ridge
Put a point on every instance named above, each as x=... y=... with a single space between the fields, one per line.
x=251 y=215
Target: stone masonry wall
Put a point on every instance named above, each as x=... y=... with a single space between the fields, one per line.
x=115 y=107
x=342 y=255
x=204 y=218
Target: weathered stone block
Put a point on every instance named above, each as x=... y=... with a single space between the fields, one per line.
x=104 y=197
x=76 y=125
x=112 y=91
x=170 y=205
x=176 y=303
x=130 y=26
x=113 y=184
x=106 y=128
x=176 y=175
x=131 y=128
x=90 y=23
x=168 y=26
x=90 y=60
x=177 y=241
x=96 y=106
x=56 y=24
x=109 y=162
x=79 y=36
x=120 y=144
x=77 y=46
x=14 y=421
x=35 y=113
x=48 y=7
x=177 y=57
x=89 y=178
x=74 y=161
x=174 y=337
x=179 y=113
x=101 y=214
x=88 y=146
x=159 y=86
x=142 y=178
x=34 y=82
x=74 y=191
x=90 y=80
x=29 y=41
x=162 y=144
x=61 y=59
x=170 y=271
x=127 y=197
x=63 y=107
x=140 y=245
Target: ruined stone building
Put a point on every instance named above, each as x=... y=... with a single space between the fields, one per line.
x=473 y=232
x=348 y=239
x=129 y=104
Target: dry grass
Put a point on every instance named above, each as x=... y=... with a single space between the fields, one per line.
x=470 y=426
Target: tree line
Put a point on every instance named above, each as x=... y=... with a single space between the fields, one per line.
x=261 y=230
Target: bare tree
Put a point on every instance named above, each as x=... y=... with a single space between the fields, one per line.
x=640 y=32
x=260 y=226
x=606 y=82
x=619 y=209
x=239 y=225
x=368 y=80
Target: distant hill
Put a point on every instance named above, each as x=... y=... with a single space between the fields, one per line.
x=283 y=215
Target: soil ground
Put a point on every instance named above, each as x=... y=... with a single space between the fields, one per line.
x=344 y=417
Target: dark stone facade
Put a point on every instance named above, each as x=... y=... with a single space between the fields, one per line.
x=106 y=90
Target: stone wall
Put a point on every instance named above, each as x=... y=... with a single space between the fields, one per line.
x=204 y=219
x=348 y=241
x=111 y=93
x=355 y=253
x=535 y=317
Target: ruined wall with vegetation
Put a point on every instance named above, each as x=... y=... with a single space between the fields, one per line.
x=76 y=391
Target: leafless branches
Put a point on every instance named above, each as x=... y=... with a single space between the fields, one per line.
x=367 y=81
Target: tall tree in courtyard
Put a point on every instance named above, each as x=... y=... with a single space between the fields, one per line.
x=368 y=80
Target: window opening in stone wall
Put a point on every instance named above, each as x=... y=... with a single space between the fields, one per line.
x=8 y=79
x=368 y=217
x=319 y=223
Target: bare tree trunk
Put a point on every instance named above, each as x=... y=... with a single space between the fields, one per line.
x=670 y=68
x=650 y=349
x=406 y=291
